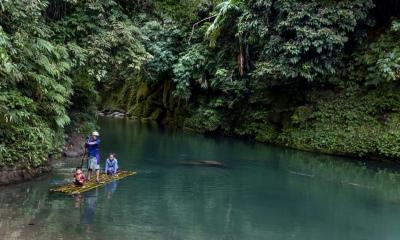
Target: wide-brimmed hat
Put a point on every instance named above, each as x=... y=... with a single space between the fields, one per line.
x=95 y=133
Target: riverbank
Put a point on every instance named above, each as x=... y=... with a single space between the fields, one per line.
x=73 y=148
x=349 y=123
x=12 y=175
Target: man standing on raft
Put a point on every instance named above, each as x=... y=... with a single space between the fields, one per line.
x=92 y=148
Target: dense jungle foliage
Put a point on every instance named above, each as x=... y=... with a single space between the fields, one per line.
x=313 y=75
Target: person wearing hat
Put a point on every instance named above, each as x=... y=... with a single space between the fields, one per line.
x=93 y=150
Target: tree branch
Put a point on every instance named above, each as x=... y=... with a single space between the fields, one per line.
x=197 y=23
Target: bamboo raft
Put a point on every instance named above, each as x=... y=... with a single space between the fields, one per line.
x=72 y=189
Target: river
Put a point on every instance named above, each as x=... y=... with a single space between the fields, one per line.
x=264 y=192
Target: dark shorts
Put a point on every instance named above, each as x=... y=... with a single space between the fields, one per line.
x=77 y=183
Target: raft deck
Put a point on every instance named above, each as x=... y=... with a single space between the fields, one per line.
x=71 y=188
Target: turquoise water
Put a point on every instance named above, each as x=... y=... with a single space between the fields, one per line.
x=263 y=193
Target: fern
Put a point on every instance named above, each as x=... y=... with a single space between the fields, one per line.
x=223 y=10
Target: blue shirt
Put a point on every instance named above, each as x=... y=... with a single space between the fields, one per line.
x=111 y=165
x=93 y=148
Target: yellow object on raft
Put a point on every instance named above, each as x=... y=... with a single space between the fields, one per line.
x=71 y=188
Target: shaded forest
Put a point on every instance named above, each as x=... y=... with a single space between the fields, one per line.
x=313 y=75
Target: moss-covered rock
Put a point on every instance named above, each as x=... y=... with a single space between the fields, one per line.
x=204 y=120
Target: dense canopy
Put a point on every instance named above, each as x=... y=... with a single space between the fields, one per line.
x=313 y=75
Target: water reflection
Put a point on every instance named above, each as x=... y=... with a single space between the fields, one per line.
x=356 y=174
x=87 y=203
x=110 y=189
x=89 y=210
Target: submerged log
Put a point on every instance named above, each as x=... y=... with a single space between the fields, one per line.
x=71 y=188
x=203 y=163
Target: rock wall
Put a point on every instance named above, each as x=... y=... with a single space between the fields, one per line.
x=74 y=145
x=10 y=175
x=144 y=101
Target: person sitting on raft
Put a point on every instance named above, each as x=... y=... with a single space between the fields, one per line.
x=79 y=177
x=111 y=165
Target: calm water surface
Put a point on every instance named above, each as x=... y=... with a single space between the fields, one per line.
x=264 y=193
